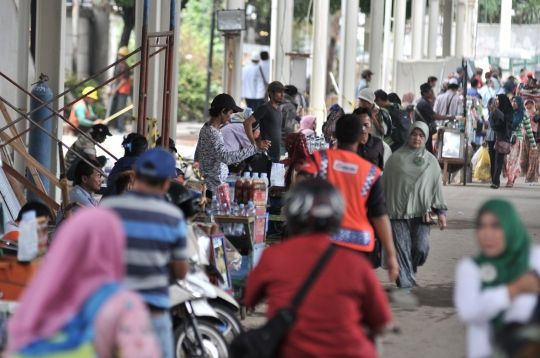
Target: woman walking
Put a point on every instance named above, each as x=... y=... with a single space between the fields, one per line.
x=512 y=167
x=413 y=187
x=529 y=154
x=499 y=285
x=500 y=122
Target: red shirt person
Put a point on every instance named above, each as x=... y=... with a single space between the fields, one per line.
x=345 y=297
x=360 y=183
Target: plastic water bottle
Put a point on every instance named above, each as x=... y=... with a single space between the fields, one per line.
x=214 y=206
x=209 y=217
x=251 y=210
x=235 y=208
x=28 y=237
x=231 y=181
x=225 y=209
x=241 y=210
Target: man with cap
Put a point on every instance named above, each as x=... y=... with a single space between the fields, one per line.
x=211 y=152
x=381 y=118
x=86 y=148
x=156 y=239
x=364 y=82
x=289 y=109
x=424 y=112
x=121 y=88
x=450 y=103
x=253 y=82
x=82 y=114
x=271 y=119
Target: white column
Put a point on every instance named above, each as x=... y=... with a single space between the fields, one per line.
x=139 y=5
x=400 y=9
x=472 y=21
x=506 y=25
x=433 y=28
x=447 y=27
x=386 y=44
x=281 y=40
x=50 y=60
x=376 y=39
x=460 y=27
x=318 y=64
x=347 y=63
x=155 y=67
x=236 y=92
x=417 y=28
x=23 y=53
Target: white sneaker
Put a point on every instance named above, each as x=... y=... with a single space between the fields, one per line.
x=531 y=184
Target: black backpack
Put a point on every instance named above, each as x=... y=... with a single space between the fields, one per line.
x=400 y=121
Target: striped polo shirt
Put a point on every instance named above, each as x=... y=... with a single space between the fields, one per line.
x=156 y=233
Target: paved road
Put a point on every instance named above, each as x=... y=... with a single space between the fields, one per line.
x=433 y=329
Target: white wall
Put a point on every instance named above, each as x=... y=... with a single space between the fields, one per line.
x=524 y=36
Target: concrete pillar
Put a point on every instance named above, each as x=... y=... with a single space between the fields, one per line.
x=417 y=29
x=460 y=28
x=433 y=32
x=155 y=92
x=447 y=27
x=139 y=5
x=236 y=91
x=386 y=44
x=23 y=53
x=506 y=25
x=281 y=40
x=472 y=21
x=347 y=55
x=318 y=64
x=376 y=45
x=50 y=60
x=400 y=9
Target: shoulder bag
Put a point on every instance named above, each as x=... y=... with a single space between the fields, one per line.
x=432 y=126
x=264 y=342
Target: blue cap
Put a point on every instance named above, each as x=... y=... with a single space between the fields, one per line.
x=157 y=163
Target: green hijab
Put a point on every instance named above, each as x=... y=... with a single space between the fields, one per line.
x=514 y=261
x=412 y=180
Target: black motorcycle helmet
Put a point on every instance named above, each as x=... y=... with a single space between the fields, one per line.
x=314 y=205
x=180 y=196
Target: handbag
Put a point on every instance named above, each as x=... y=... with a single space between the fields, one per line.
x=431 y=218
x=264 y=342
x=432 y=126
x=502 y=147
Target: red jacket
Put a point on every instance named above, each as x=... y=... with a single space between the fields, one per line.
x=346 y=296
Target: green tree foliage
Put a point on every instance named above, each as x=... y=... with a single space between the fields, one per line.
x=193 y=61
x=527 y=12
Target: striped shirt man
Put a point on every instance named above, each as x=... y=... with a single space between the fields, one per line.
x=156 y=233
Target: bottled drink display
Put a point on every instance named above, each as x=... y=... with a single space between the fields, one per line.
x=231 y=181
x=246 y=188
x=238 y=190
x=235 y=208
x=250 y=212
x=264 y=189
x=316 y=143
x=214 y=206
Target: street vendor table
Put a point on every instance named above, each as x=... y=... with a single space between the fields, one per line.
x=14 y=276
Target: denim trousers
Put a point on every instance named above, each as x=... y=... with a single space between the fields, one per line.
x=163 y=329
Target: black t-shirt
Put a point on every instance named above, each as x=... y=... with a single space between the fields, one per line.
x=372 y=151
x=426 y=110
x=270 y=119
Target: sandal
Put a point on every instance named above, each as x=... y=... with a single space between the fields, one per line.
x=509 y=185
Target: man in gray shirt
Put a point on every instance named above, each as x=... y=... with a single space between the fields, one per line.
x=270 y=118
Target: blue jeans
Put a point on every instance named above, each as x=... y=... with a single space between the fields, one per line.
x=162 y=325
x=254 y=103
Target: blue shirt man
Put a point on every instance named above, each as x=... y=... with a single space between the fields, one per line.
x=156 y=234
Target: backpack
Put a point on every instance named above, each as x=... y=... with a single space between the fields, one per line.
x=76 y=338
x=401 y=122
x=387 y=121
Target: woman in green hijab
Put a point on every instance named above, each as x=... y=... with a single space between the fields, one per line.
x=497 y=286
x=413 y=188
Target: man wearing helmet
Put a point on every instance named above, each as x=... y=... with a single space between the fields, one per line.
x=121 y=89
x=360 y=183
x=344 y=297
x=82 y=114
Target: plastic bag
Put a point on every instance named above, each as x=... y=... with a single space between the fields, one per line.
x=483 y=166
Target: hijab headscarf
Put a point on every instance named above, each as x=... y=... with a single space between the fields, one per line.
x=519 y=113
x=87 y=252
x=514 y=260
x=505 y=106
x=297 y=149
x=394 y=98
x=328 y=128
x=492 y=92
x=408 y=98
x=306 y=125
x=412 y=180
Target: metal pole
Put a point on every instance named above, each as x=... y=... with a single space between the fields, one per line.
x=210 y=56
x=465 y=65
x=143 y=73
